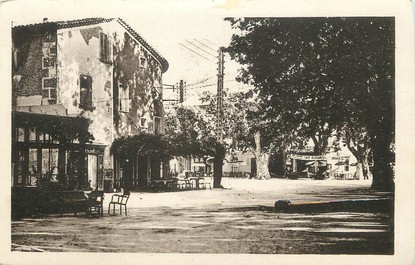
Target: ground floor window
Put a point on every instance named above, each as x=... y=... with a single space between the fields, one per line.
x=33 y=168
x=50 y=163
x=47 y=167
x=19 y=168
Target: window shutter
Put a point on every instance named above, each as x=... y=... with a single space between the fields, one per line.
x=102 y=43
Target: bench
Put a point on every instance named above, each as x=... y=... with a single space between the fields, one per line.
x=63 y=202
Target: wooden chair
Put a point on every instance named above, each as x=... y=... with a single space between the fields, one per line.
x=121 y=200
x=95 y=203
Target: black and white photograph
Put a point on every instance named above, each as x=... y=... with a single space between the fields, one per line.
x=201 y=132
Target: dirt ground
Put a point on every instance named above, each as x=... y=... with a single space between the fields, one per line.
x=237 y=219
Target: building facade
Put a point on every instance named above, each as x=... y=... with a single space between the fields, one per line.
x=98 y=69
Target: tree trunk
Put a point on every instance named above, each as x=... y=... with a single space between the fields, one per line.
x=218 y=165
x=365 y=168
x=262 y=159
x=320 y=144
x=217 y=172
x=382 y=168
x=361 y=154
x=284 y=161
x=362 y=158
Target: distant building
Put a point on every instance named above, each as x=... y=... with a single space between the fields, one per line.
x=337 y=165
x=100 y=69
x=239 y=164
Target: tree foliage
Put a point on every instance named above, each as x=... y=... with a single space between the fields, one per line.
x=62 y=128
x=190 y=131
x=315 y=76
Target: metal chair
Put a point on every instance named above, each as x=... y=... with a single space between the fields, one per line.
x=208 y=181
x=118 y=199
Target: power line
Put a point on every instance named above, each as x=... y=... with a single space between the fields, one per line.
x=204 y=45
x=211 y=42
x=201 y=81
x=213 y=84
x=196 y=53
x=200 y=48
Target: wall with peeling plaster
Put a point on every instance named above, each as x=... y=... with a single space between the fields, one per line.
x=78 y=54
x=144 y=85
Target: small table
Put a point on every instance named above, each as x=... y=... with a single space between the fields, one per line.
x=162 y=182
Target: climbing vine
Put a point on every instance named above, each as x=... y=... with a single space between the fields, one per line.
x=62 y=128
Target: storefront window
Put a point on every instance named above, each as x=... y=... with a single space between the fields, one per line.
x=67 y=162
x=19 y=167
x=33 y=168
x=50 y=163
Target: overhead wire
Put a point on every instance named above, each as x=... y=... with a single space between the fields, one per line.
x=196 y=53
x=205 y=45
x=214 y=84
x=199 y=82
x=211 y=42
x=200 y=48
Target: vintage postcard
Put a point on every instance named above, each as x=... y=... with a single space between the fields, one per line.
x=200 y=132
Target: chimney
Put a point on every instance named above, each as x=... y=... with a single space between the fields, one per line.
x=45 y=19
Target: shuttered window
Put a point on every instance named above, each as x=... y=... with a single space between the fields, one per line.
x=85 y=92
x=124 y=97
x=105 y=54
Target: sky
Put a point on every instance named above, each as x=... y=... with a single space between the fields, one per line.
x=168 y=27
x=169 y=24
x=198 y=68
x=164 y=24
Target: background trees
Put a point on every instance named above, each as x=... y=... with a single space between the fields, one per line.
x=316 y=76
x=243 y=130
x=191 y=133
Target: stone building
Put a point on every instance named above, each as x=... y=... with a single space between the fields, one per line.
x=96 y=69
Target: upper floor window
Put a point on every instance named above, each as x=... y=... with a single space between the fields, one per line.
x=124 y=97
x=143 y=57
x=104 y=51
x=20 y=134
x=85 y=101
x=143 y=62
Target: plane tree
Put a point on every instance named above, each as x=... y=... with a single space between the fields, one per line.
x=190 y=134
x=322 y=75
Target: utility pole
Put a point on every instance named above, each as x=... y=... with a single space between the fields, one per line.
x=219 y=97
x=219 y=156
x=182 y=91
